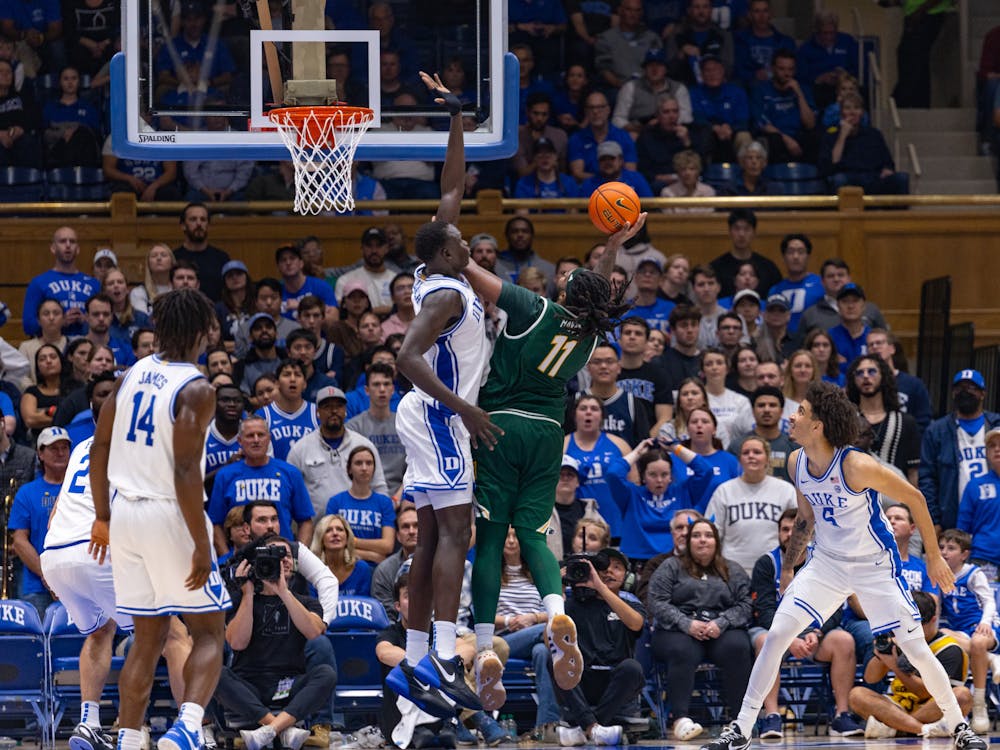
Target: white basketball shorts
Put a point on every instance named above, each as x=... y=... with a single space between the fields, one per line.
x=86 y=589
x=152 y=550
x=438 y=453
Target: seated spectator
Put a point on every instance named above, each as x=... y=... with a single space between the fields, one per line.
x=746 y=279
x=747 y=304
x=149 y=180
x=37 y=28
x=386 y=572
x=611 y=168
x=648 y=305
x=268 y=631
x=729 y=332
x=626 y=417
x=802 y=288
x=40 y=401
x=908 y=706
x=851 y=335
x=705 y=288
x=872 y=386
x=971 y=609
x=97 y=391
x=655 y=345
x=370 y=514
x=660 y=141
x=529 y=82
x=700 y=605
x=913 y=397
x=783 y=113
x=856 y=154
x=542 y=25
x=50 y=318
x=800 y=371
x=646 y=508
x=538 y=126
x=9 y=53
x=825 y=55
x=691 y=394
x=730 y=408
x=19 y=146
x=586 y=22
x=636 y=103
x=698 y=37
x=237 y=533
x=674 y=284
x=191 y=45
x=71 y=126
x=681 y=360
x=824 y=351
x=846 y=84
x=744 y=508
x=756 y=45
x=521 y=621
x=217 y=180
x=92 y=33
x=619 y=51
x=156 y=278
x=544 y=180
x=569 y=99
x=826 y=643
x=774 y=341
x=569 y=510
x=825 y=314
x=687 y=169
x=611 y=624
x=722 y=108
x=334 y=543
x=403 y=313
x=125 y=320
x=594 y=450
x=582 y=148
x=329 y=358
x=752 y=157
x=702 y=428
x=406 y=179
x=237 y=302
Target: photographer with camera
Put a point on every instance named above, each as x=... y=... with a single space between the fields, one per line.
x=608 y=625
x=261 y=517
x=700 y=604
x=269 y=681
x=909 y=706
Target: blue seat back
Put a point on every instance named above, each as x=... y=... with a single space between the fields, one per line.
x=353 y=634
x=24 y=692
x=21 y=185
x=721 y=175
x=76 y=184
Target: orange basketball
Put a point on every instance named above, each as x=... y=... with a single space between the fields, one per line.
x=613 y=204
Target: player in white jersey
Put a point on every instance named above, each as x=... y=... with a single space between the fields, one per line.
x=444 y=355
x=855 y=553
x=149 y=450
x=87 y=590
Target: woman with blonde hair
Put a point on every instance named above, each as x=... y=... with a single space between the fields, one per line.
x=534 y=280
x=156 y=281
x=801 y=370
x=333 y=543
x=126 y=319
x=674 y=282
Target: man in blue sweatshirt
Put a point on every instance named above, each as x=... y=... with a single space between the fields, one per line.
x=65 y=283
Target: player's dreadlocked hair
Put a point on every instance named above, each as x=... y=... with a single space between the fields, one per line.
x=181 y=316
x=590 y=300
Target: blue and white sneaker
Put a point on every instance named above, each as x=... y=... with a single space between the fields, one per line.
x=770 y=727
x=845 y=725
x=426 y=696
x=86 y=737
x=178 y=737
x=448 y=676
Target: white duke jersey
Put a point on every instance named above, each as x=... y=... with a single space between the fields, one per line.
x=141 y=463
x=74 y=514
x=460 y=356
x=849 y=524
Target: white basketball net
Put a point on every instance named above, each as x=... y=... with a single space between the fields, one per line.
x=322 y=148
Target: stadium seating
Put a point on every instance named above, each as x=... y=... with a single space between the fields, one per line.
x=76 y=184
x=796 y=178
x=21 y=185
x=353 y=634
x=722 y=175
x=24 y=689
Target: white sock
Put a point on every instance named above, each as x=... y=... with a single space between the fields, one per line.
x=90 y=714
x=484 y=636
x=129 y=739
x=935 y=679
x=416 y=646
x=554 y=605
x=190 y=716
x=444 y=638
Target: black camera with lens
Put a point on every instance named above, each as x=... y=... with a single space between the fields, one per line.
x=577 y=570
x=265 y=564
x=883 y=644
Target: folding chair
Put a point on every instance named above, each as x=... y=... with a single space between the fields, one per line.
x=24 y=671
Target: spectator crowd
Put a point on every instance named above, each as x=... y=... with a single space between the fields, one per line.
x=683 y=546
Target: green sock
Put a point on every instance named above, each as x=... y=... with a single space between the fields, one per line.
x=490 y=539
x=541 y=562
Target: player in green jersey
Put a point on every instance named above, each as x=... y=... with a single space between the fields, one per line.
x=542 y=346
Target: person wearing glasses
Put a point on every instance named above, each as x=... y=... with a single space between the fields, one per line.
x=582 y=149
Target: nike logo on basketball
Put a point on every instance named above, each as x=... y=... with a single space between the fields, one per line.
x=621 y=203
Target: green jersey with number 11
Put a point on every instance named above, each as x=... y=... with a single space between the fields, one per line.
x=539 y=350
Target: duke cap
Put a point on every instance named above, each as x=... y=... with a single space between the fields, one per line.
x=568 y=462
x=649 y=262
x=608 y=148
x=543 y=144
x=850 y=289
x=324 y=394
x=744 y=294
x=778 y=300
x=51 y=435
x=973 y=376
x=655 y=56
x=106 y=253
x=373 y=235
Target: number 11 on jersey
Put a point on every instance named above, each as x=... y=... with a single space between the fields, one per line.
x=562 y=347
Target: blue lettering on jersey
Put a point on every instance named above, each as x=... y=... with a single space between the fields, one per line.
x=825 y=500
x=155 y=379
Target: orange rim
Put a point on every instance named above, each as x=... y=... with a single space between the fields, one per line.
x=310 y=130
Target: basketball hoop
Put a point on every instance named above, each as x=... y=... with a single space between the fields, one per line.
x=322 y=142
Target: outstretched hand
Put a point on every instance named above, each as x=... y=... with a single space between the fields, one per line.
x=628 y=231
x=444 y=96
